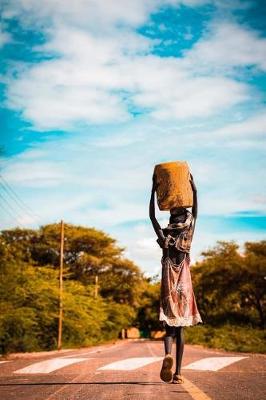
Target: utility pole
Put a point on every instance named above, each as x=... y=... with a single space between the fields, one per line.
x=60 y=320
x=96 y=287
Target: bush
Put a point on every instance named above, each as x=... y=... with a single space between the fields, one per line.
x=228 y=337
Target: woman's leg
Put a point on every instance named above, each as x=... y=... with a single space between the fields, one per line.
x=166 y=373
x=170 y=332
x=179 y=348
x=168 y=341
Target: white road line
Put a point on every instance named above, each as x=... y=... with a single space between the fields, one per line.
x=44 y=367
x=129 y=364
x=212 y=363
x=85 y=354
x=2 y=362
x=97 y=350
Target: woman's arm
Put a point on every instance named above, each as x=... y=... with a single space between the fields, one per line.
x=195 y=201
x=156 y=226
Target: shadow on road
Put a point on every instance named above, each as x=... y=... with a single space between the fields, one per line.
x=81 y=383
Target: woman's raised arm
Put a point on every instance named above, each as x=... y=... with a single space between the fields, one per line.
x=195 y=201
x=156 y=226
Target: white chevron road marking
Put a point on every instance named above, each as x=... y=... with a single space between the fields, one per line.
x=44 y=367
x=128 y=364
x=212 y=363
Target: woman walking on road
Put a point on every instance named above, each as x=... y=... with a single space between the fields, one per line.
x=178 y=306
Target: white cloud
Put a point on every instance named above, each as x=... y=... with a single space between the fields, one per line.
x=95 y=80
x=119 y=177
x=192 y=97
x=5 y=37
x=253 y=127
x=102 y=68
x=119 y=140
x=49 y=106
x=89 y=14
x=245 y=135
x=36 y=173
x=227 y=45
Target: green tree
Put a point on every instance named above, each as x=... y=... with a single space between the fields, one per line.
x=253 y=279
x=87 y=252
x=214 y=278
x=148 y=311
x=230 y=285
x=29 y=262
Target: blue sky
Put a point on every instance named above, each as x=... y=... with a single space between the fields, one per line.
x=95 y=93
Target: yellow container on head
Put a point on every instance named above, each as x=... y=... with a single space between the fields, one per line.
x=173 y=185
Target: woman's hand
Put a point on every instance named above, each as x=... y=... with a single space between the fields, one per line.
x=195 y=199
x=192 y=183
x=154 y=183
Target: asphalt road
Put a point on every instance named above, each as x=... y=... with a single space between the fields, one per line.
x=130 y=370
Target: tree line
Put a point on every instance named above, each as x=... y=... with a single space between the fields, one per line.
x=229 y=286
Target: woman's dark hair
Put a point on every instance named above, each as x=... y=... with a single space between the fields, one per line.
x=178 y=214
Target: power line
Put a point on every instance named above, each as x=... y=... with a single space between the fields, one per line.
x=10 y=206
x=16 y=198
x=20 y=203
x=14 y=205
x=11 y=215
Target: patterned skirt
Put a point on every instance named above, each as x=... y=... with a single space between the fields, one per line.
x=178 y=305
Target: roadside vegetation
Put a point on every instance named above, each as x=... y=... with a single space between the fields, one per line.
x=229 y=288
x=29 y=288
